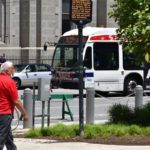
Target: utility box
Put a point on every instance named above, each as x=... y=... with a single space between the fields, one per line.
x=43 y=89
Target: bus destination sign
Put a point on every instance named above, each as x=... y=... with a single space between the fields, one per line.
x=81 y=11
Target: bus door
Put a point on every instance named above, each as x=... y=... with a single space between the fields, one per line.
x=107 y=75
x=88 y=63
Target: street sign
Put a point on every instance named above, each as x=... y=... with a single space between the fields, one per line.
x=81 y=11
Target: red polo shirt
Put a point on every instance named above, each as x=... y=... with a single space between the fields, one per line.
x=8 y=94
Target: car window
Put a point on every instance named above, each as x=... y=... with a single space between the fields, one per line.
x=42 y=68
x=31 y=68
x=19 y=68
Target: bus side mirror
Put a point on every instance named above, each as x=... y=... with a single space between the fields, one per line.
x=45 y=47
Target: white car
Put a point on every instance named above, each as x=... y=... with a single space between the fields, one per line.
x=28 y=74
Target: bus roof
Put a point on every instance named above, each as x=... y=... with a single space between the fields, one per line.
x=87 y=31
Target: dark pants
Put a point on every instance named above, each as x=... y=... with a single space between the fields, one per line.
x=6 y=137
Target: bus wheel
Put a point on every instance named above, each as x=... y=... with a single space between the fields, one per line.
x=129 y=85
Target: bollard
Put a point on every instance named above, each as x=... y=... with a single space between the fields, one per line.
x=90 y=109
x=28 y=105
x=138 y=96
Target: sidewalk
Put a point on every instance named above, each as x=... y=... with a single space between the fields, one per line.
x=32 y=144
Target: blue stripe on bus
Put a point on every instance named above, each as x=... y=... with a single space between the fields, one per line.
x=89 y=74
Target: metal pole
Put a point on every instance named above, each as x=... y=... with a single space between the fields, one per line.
x=48 y=113
x=28 y=105
x=43 y=113
x=81 y=110
x=33 y=122
x=90 y=95
x=138 y=96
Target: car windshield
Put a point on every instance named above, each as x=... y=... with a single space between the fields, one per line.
x=19 y=68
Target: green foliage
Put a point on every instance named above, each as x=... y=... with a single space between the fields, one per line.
x=120 y=114
x=33 y=133
x=142 y=115
x=133 y=18
x=124 y=114
x=146 y=132
x=90 y=131
x=118 y=130
x=59 y=130
x=46 y=132
x=64 y=131
x=135 y=130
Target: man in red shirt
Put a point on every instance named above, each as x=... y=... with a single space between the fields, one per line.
x=8 y=100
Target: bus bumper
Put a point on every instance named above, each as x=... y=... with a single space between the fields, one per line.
x=66 y=84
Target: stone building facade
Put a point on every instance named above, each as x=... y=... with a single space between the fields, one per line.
x=30 y=23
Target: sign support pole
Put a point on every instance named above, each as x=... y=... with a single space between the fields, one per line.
x=81 y=104
x=81 y=14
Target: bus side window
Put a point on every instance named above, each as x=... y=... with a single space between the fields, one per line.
x=106 y=56
x=88 y=58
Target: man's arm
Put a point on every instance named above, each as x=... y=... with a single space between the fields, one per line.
x=19 y=105
x=15 y=98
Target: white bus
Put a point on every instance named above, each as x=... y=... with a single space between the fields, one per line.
x=103 y=55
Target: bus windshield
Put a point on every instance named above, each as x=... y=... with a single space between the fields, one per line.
x=65 y=56
x=66 y=52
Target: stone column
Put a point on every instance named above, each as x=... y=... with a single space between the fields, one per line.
x=24 y=29
x=2 y=18
x=101 y=13
x=15 y=23
x=7 y=22
x=94 y=14
x=49 y=17
x=59 y=30
x=110 y=21
x=38 y=29
x=32 y=29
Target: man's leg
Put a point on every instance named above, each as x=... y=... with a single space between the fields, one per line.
x=5 y=123
x=10 y=141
